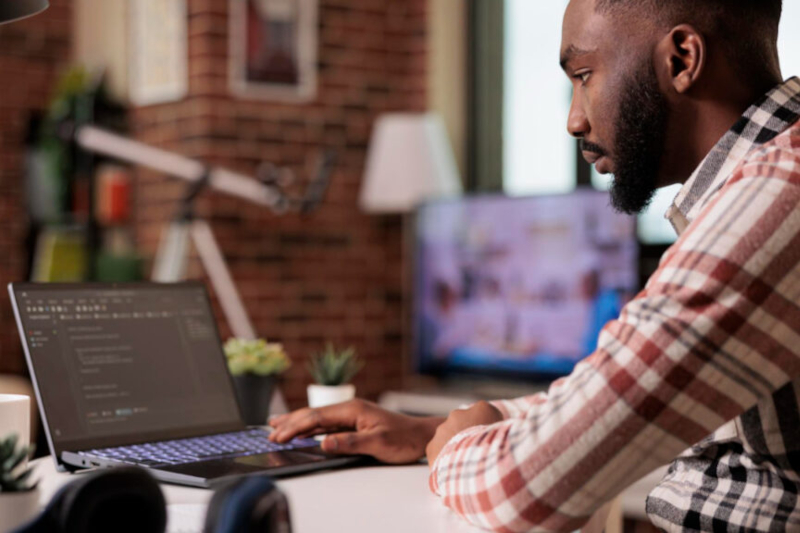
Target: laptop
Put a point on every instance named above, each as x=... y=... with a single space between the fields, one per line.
x=134 y=374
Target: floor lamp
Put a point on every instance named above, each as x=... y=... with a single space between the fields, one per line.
x=410 y=161
x=172 y=257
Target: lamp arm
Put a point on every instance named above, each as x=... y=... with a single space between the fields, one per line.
x=100 y=141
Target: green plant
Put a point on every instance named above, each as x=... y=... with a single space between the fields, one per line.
x=257 y=357
x=11 y=457
x=334 y=367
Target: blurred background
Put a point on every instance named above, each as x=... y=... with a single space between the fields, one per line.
x=241 y=83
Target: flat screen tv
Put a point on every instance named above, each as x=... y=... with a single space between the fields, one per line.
x=518 y=287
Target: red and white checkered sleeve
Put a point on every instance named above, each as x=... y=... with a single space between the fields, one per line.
x=716 y=329
x=517 y=407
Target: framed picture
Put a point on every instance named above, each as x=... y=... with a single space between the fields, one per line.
x=273 y=45
x=158 y=51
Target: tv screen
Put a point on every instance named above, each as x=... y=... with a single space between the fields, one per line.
x=519 y=286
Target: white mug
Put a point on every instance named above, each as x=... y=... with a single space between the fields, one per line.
x=15 y=417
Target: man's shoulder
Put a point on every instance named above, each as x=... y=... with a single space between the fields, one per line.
x=787 y=142
x=778 y=158
x=766 y=179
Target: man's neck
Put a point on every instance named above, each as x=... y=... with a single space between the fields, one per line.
x=719 y=117
x=704 y=123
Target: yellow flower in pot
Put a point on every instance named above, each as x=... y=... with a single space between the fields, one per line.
x=255 y=366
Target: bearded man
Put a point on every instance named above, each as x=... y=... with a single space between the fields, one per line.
x=702 y=369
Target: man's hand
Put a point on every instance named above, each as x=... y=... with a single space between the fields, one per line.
x=359 y=427
x=480 y=414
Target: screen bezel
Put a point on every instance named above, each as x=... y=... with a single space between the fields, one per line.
x=446 y=372
x=56 y=448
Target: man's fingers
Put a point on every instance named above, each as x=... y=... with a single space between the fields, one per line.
x=306 y=421
x=320 y=431
x=277 y=419
x=352 y=443
x=375 y=443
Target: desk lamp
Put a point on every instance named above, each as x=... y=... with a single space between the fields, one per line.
x=11 y=10
x=187 y=227
x=171 y=260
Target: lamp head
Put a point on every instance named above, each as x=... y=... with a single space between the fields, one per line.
x=11 y=10
x=410 y=161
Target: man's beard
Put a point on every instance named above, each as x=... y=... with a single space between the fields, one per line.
x=640 y=132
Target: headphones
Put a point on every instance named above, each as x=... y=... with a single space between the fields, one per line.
x=248 y=505
x=123 y=499
x=129 y=500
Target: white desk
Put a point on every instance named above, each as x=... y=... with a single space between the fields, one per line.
x=369 y=500
x=385 y=499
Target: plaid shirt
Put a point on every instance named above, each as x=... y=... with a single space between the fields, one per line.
x=710 y=347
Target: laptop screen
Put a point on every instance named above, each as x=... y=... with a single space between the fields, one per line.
x=122 y=364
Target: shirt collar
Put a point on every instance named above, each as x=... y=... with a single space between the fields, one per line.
x=763 y=121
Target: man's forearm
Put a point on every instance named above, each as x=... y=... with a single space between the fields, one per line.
x=479 y=414
x=428 y=426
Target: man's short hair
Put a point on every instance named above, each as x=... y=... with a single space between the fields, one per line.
x=747 y=28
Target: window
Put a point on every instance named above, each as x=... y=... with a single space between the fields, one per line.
x=789 y=39
x=539 y=157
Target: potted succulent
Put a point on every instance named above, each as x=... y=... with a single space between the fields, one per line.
x=255 y=366
x=19 y=499
x=332 y=370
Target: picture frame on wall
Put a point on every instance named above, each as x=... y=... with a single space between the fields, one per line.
x=273 y=49
x=158 y=71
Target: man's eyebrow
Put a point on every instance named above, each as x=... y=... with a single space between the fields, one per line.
x=571 y=53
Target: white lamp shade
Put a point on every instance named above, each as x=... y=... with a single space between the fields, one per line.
x=409 y=161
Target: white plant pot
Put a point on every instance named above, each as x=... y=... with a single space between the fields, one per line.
x=16 y=508
x=322 y=395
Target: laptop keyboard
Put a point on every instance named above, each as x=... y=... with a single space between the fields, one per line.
x=181 y=451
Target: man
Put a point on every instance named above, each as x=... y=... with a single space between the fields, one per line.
x=702 y=369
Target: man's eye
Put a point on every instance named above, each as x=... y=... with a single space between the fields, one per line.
x=584 y=77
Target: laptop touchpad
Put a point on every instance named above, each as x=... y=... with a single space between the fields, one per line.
x=278 y=459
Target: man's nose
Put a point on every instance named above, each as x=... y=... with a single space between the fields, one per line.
x=577 y=123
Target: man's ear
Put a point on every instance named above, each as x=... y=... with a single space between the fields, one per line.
x=681 y=57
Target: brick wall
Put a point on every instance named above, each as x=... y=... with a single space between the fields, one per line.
x=32 y=55
x=334 y=275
